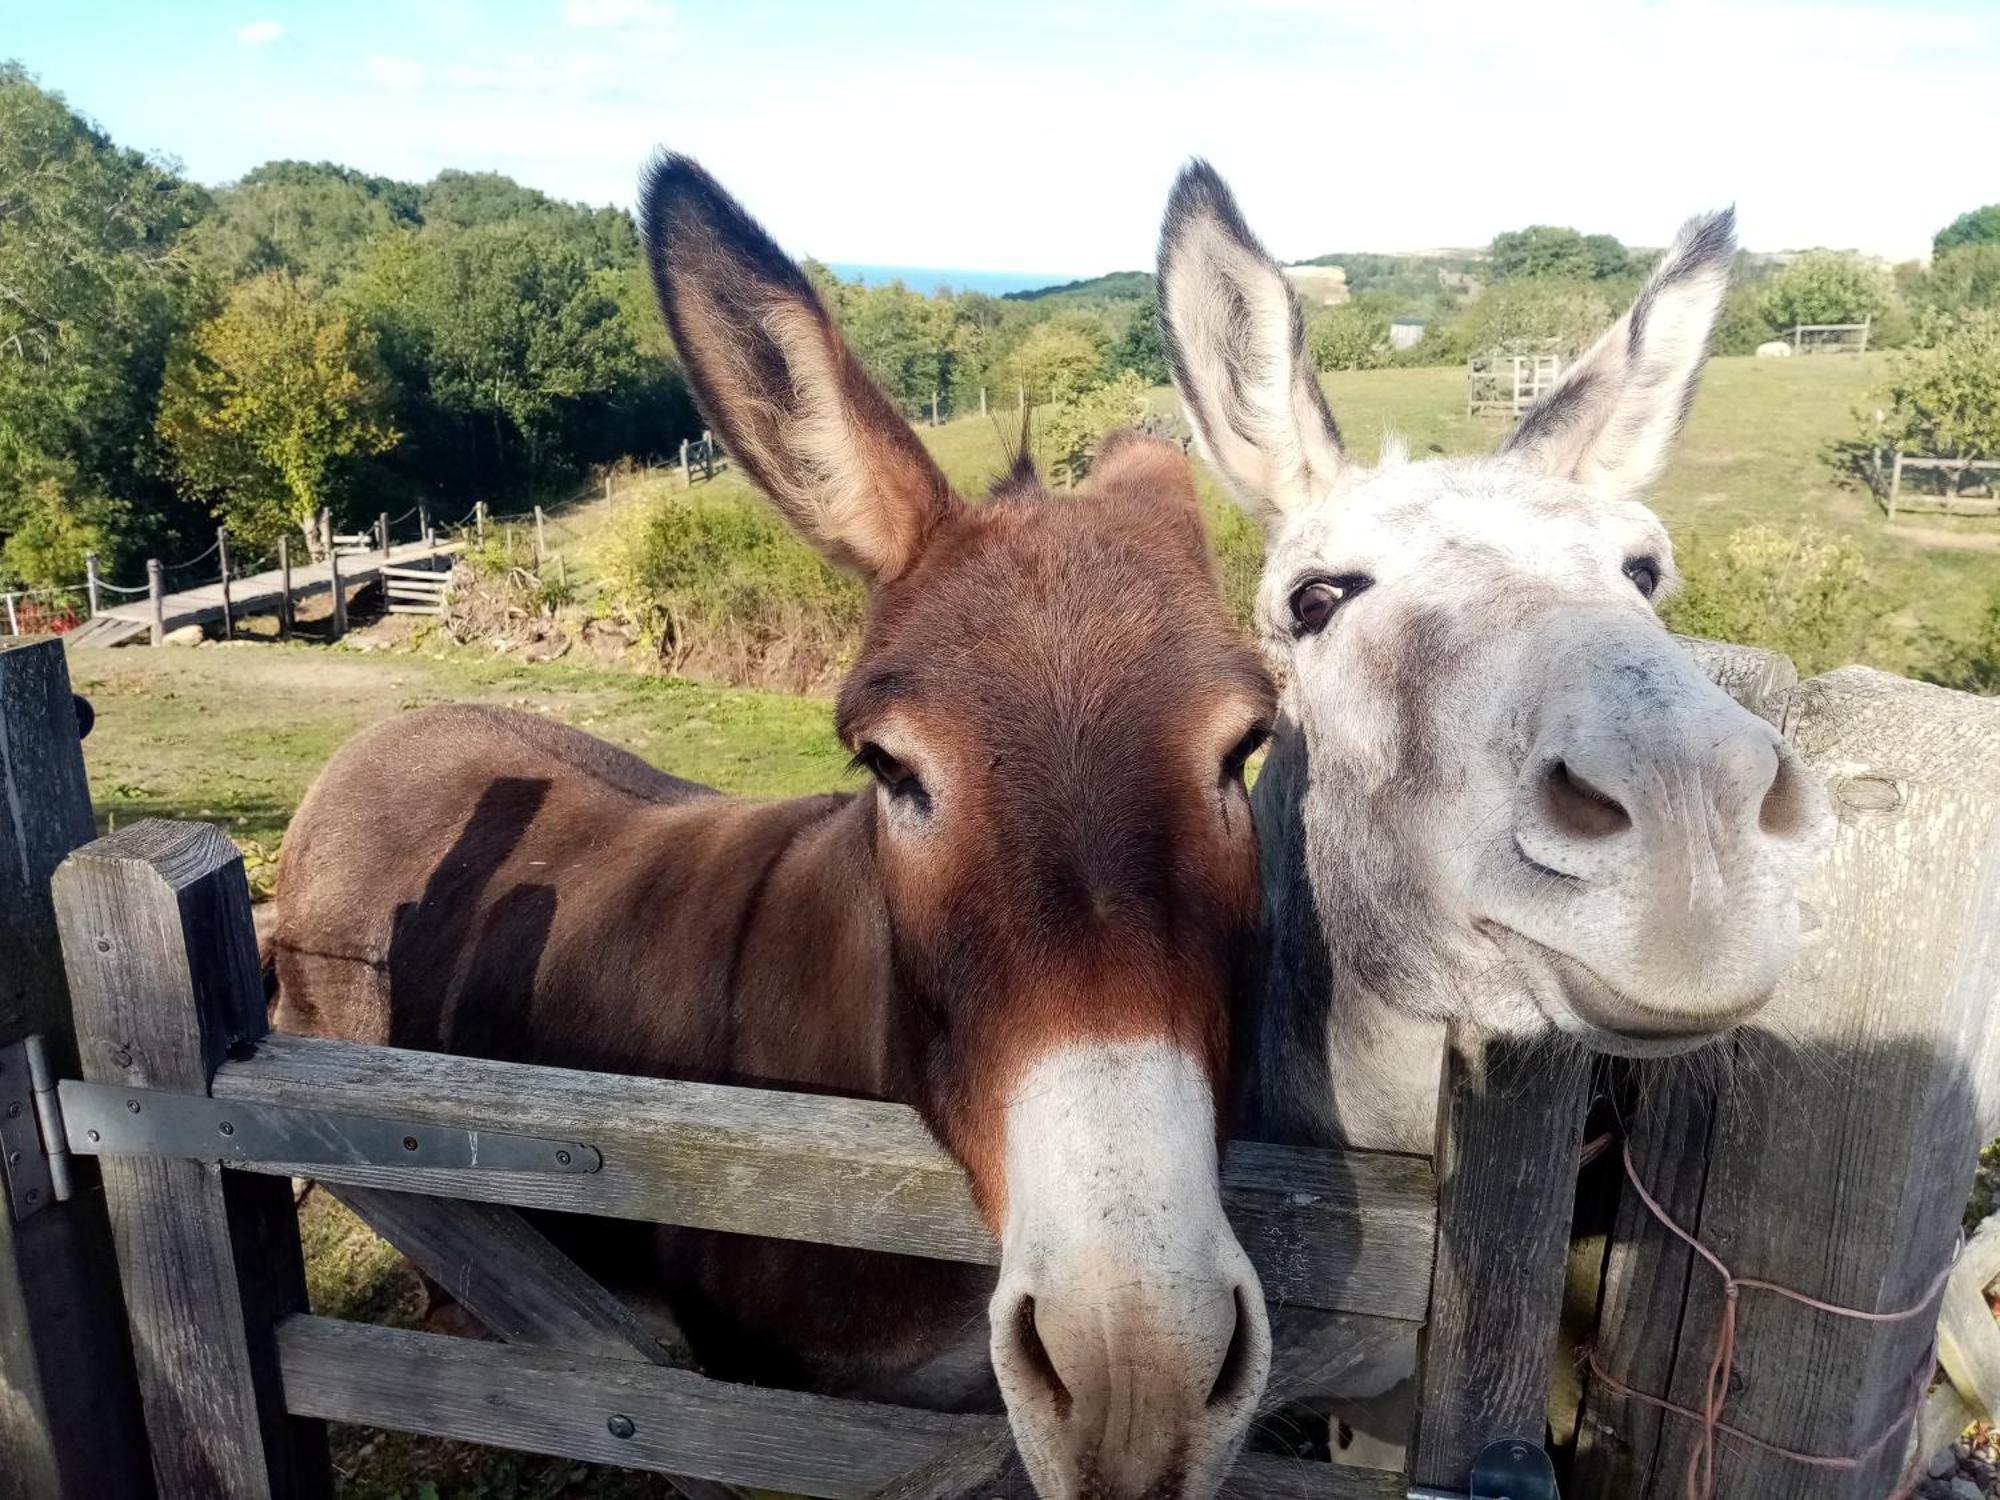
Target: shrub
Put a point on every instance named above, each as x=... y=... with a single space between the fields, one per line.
x=1971 y=666
x=1068 y=429
x=1943 y=397
x=1961 y=280
x=1979 y=227
x=1519 y=316
x=1057 y=356
x=1347 y=338
x=54 y=528
x=1825 y=286
x=1741 y=326
x=1802 y=593
x=733 y=594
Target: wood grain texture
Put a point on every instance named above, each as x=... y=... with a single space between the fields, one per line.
x=507 y=1274
x=547 y=1402
x=162 y=966
x=1503 y=1242
x=70 y=1422
x=1968 y=1333
x=1839 y=1159
x=1347 y=1232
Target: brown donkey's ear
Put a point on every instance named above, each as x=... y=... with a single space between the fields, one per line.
x=773 y=378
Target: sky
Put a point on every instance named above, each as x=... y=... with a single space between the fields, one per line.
x=1042 y=135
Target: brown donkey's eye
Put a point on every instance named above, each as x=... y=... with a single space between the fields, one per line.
x=1314 y=601
x=1644 y=573
x=895 y=778
x=1240 y=753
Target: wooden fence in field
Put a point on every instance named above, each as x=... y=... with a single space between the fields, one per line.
x=1831 y=338
x=1840 y=1172
x=1509 y=383
x=1952 y=475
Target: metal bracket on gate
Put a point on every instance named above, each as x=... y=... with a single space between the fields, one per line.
x=1508 y=1470
x=100 y=1119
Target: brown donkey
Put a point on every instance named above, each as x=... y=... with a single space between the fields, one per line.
x=1032 y=927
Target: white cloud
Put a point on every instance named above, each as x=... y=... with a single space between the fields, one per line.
x=396 y=73
x=259 y=33
x=594 y=15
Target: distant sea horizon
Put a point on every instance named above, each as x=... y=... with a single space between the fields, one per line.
x=930 y=278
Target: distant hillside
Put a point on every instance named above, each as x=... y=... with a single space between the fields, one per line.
x=1129 y=286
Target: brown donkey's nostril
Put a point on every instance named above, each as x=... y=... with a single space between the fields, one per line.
x=1035 y=1355
x=1576 y=807
x=1231 y=1378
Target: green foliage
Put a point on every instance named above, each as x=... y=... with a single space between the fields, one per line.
x=1803 y=593
x=54 y=526
x=1115 y=286
x=1521 y=316
x=912 y=346
x=1825 y=286
x=1980 y=226
x=268 y=404
x=732 y=592
x=1141 y=350
x=312 y=221
x=1069 y=428
x=1551 y=252
x=1943 y=398
x=1961 y=279
x=1741 y=325
x=1347 y=338
x=1971 y=666
x=1055 y=358
x=96 y=280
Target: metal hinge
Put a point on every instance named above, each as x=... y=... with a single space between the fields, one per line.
x=44 y=1119
x=1507 y=1470
x=33 y=1160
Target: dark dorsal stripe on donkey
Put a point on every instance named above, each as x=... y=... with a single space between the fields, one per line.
x=1032 y=926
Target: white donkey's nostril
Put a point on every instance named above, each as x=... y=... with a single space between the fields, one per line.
x=1578 y=806
x=1240 y=1359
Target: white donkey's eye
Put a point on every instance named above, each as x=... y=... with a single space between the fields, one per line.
x=1644 y=573
x=1314 y=601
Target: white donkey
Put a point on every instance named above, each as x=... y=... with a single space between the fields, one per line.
x=1499 y=790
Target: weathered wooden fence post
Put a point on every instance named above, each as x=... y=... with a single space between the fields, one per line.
x=541 y=540
x=162 y=964
x=222 y=553
x=707 y=454
x=69 y=1409
x=13 y=620
x=687 y=470
x=156 y=591
x=1838 y=1161
x=423 y=519
x=479 y=519
x=339 y=592
x=285 y=587
x=90 y=580
x=382 y=531
x=1489 y=1349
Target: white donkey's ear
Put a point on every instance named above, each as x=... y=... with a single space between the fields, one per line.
x=1235 y=337
x=1612 y=419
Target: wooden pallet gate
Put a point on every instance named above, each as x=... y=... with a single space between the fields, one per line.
x=196 y=1118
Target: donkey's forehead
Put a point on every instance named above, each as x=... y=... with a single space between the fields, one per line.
x=1412 y=510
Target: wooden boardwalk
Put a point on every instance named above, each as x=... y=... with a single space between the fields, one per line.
x=254 y=593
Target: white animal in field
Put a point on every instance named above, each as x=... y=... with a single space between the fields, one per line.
x=1774 y=349
x=1498 y=789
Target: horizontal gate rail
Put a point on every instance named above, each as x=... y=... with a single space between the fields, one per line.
x=669 y=1421
x=1341 y=1231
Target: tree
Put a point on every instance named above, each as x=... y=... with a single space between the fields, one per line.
x=1076 y=419
x=1346 y=338
x=55 y=526
x=1741 y=325
x=1525 y=316
x=1981 y=226
x=1825 y=286
x=1057 y=357
x=910 y=344
x=1139 y=349
x=1541 y=250
x=268 y=403
x=312 y=221
x=515 y=332
x=1961 y=279
x=94 y=279
x=1608 y=256
x=1943 y=399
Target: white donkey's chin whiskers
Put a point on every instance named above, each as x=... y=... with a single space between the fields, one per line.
x=1129 y=1331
